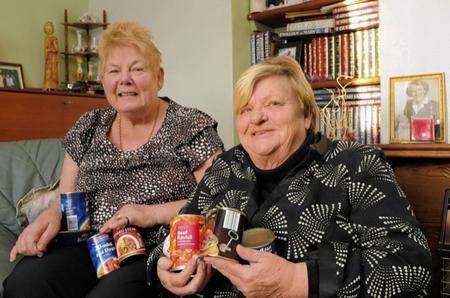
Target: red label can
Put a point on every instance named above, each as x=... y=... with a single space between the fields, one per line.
x=185 y=239
x=128 y=243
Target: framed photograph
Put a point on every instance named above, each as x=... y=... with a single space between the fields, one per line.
x=416 y=96
x=291 y=49
x=11 y=76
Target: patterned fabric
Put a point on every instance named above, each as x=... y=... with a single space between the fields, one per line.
x=342 y=209
x=160 y=171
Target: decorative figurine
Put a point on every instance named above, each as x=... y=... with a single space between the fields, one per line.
x=79 y=74
x=93 y=45
x=90 y=74
x=51 y=72
x=79 y=46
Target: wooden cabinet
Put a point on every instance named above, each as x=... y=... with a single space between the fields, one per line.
x=35 y=114
x=423 y=172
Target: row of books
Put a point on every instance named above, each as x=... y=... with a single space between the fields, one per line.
x=263 y=44
x=361 y=14
x=360 y=111
x=354 y=54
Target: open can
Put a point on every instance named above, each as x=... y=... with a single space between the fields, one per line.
x=260 y=239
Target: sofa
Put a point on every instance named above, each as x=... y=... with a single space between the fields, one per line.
x=28 y=169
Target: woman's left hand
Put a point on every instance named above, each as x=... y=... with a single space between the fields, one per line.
x=268 y=275
x=137 y=215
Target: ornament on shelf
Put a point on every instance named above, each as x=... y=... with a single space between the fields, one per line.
x=334 y=115
x=79 y=46
x=91 y=67
x=51 y=67
x=79 y=73
x=93 y=44
x=87 y=18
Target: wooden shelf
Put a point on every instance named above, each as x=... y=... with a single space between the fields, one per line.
x=275 y=17
x=416 y=150
x=355 y=82
x=86 y=26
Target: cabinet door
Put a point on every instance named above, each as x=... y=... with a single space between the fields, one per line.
x=74 y=107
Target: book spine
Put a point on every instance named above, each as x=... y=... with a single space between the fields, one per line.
x=366 y=54
x=354 y=7
x=351 y=52
x=362 y=95
x=330 y=40
x=306 y=32
x=357 y=19
x=361 y=25
x=359 y=53
x=253 y=48
x=369 y=88
x=372 y=52
x=345 y=54
x=337 y=56
x=326 y=57
x=377 y=52
x=355 y=13
x=368 y=110
x=305 y=59
x=319 y=58
x=315 y=24
x=310 y=60
x=266 y=44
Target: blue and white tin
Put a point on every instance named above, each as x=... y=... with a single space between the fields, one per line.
x=75 y=215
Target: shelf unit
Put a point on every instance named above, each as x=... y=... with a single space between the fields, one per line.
x=87 y=27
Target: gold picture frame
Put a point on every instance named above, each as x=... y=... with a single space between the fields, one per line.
x=416 y=95
x=11 y=75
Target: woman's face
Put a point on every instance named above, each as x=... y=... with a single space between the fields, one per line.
x=272 y=125
x=417 y=92
x=130 y=85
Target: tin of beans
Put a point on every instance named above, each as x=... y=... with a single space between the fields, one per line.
x=229 y=225
x=75 y=216
x=185 y=239
x=103 y=254
x=128 y=242
x=260 y=239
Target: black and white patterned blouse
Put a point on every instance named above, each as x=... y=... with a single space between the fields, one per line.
x=159 y=171
x=340 y=209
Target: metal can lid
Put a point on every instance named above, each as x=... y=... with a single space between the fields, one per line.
x=257 y=237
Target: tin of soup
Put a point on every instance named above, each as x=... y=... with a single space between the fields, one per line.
x=260 y=239
x=103 y=254
x=75 y=216
x=229 y=225
x=128 y=242
x=185 y=239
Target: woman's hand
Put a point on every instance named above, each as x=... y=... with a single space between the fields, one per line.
x=268 y=275
x=144 y=216
x=36 y=236
x=184 y=282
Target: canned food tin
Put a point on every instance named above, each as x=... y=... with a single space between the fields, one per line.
x=103 y=254
x=260 y=239
x=185 y=239
x=75 y=216
x=128 y=242
x=229 y=225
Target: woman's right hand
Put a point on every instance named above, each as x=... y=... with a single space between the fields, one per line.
x=36 y=236
x=184 y=282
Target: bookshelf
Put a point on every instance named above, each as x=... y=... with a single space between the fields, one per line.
x=330 y=39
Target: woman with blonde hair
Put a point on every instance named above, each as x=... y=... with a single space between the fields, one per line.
x=342 y=224
x=136 y=161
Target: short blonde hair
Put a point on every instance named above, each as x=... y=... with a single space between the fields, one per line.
x=129 y=33
x=278 y=66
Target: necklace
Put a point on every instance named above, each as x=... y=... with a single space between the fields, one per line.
x=151 y=132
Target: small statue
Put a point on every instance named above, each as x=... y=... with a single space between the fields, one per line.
x=93 y=45
x=90 y=74
x=51 y=72
x=79 y=46
x=79 y=74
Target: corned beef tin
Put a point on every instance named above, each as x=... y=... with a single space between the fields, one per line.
x=128 y=242
x=75 y=216
x=260 y=239
x=185 y=239
x=103 y=254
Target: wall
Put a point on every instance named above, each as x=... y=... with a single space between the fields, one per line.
x=22 y=35
x=414 y=40
x=196 y=42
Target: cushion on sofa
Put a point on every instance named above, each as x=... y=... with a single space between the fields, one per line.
x=25 y=165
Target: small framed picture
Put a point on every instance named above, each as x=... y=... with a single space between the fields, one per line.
x=291 y=49
x=11 y=76
x=422 y=129
x=417 y=97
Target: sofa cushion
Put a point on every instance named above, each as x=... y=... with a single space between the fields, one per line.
x=25 y=165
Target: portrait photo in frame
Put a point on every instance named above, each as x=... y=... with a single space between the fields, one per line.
x=291 y=49
x=416 y=96
x=11 y=75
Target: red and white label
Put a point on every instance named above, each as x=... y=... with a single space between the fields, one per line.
x=188 y=236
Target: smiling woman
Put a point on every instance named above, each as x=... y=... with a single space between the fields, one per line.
x=136 y=161
x=343 y=227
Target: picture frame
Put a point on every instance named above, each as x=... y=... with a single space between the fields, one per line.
x=291 y=49
x=11 y=76
x=421 y=95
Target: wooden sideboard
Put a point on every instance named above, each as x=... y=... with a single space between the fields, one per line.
x=423 y=172
x=36 y=114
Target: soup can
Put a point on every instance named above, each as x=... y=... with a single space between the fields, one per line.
x=185 y=239
x=75 y=216
x=260 y=239
x=229 y=225
x=103 y=254
x=128 y=242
